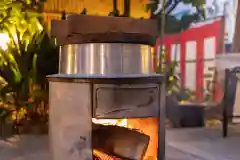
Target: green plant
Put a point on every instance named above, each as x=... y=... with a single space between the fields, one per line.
x=169 y=68
x=172 y=79
x=25 y=73
x=22 y=74
x=174 y=25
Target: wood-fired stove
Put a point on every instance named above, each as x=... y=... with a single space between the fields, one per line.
x=105 y=73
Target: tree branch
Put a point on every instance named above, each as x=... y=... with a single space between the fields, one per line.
x=155 y=6
x=200 y=12
x=168 y=4
x=176 y=2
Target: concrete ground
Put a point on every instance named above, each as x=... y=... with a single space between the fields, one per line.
x=182 y=144
x=206 y=143
x=36 y=148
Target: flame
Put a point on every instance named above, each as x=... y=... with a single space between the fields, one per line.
x=103 y=156
x=124 y=123
x=116 y=122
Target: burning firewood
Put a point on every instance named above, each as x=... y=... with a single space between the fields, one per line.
x=148 y=126
x=98 y=155
x=120 y=142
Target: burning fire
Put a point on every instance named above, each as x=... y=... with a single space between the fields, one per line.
x=103 y=156
x=121 y=123
x=146 y=125
x=116 y=122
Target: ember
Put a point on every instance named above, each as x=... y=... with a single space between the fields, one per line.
x=103 y=156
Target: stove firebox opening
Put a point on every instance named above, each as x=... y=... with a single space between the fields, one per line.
x=145 y=149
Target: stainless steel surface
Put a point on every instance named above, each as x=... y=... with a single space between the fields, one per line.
x=105 y=58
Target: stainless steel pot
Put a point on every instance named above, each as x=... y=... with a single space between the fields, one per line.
x=105 y=58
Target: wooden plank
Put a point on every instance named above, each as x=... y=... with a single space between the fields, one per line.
x=81 y=24
x=96 y=29
x=106 y=38
x=59 y=28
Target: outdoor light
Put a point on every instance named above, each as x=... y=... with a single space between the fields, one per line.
x=4 y=39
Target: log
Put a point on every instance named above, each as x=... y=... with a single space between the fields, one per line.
x=98 y=155
x=148 y=126
x=119 y=141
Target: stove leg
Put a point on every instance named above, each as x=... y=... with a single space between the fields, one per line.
x=161 y=127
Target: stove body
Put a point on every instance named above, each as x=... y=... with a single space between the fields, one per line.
x=103 y=81
x=76 y=99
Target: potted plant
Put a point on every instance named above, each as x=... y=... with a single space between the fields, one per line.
x=181 y=109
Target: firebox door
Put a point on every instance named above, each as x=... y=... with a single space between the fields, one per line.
x=125 y=101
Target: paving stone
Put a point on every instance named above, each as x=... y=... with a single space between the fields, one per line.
x=36 y=148
x=207 y=143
